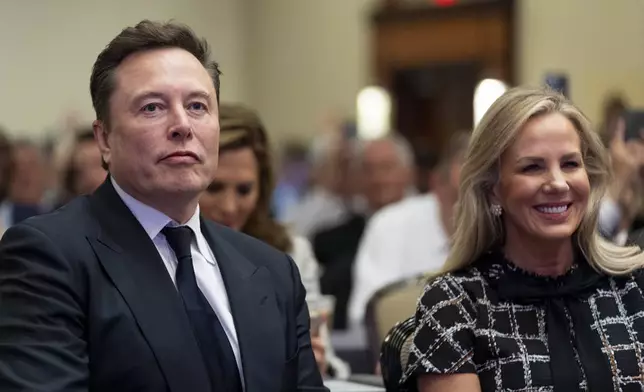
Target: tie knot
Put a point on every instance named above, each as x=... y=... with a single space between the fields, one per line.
x=179 y=239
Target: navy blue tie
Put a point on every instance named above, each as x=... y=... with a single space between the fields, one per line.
x=214 y=345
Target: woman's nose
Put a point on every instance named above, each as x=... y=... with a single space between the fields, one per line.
x=557 y=182
x=228 y=203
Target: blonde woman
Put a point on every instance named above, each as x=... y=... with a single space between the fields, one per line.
x=532 y=299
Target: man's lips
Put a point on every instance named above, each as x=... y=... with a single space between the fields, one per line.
x=181 y=156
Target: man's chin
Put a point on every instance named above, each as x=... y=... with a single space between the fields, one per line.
x=187 y=184
x=178 y=192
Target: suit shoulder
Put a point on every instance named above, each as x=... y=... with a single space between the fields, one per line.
x=68 y=220
x=53 y=239
x=281 y=266
x=248 y=246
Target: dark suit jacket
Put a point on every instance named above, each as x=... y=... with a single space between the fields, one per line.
x=335 y=249
x=23 y=211
x=86 y=303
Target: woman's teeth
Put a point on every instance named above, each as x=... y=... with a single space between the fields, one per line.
x=553 y=210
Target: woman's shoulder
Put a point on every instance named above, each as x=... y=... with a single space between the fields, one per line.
x=446 y=318
x=459 y=277
x=467 y=284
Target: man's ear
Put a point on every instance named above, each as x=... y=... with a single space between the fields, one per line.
x=101 y=137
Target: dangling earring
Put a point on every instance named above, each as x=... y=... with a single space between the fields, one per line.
x=496 y=209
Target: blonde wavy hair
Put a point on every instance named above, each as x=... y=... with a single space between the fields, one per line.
x=478 y=230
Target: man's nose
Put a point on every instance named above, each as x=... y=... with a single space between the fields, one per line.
x=181 y=127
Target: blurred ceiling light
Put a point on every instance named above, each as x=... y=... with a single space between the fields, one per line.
x=485 y=93
x=373 y=112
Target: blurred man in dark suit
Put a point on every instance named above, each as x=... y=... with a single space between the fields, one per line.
x=129 y=289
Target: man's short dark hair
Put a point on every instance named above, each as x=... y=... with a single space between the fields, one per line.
x=146 y=35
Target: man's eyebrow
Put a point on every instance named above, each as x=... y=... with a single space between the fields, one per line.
x=201 y=94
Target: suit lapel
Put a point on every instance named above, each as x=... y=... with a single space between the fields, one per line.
x=133 y=264
x=254 y=308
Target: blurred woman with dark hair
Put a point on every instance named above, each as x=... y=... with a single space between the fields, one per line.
x=85 y=171
x=240 y=198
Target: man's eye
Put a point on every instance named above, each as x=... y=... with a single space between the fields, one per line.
x=151 y=107
x=197 y=106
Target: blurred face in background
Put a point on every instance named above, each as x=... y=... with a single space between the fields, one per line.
x=88 y=171
x=332 y=172
x=384 y=176
x=28 y=177
x=233 y=194
x=445 y=179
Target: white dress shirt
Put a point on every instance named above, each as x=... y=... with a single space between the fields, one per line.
x=401 y=241
x=209 y=278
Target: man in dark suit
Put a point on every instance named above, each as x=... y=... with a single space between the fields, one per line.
x=129 y=289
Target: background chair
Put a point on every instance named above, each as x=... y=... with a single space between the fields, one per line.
x=387 y=307
x=395 y=354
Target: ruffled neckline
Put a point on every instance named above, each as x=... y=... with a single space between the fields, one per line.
x=496 y=264
x=519 y=284
x=511 y=267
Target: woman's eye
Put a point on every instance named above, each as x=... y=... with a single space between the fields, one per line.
x=215 y=188
x=571 y=164
x=530 y=168
x=244 y=190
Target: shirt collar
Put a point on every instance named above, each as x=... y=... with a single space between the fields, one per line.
x=152 y=220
